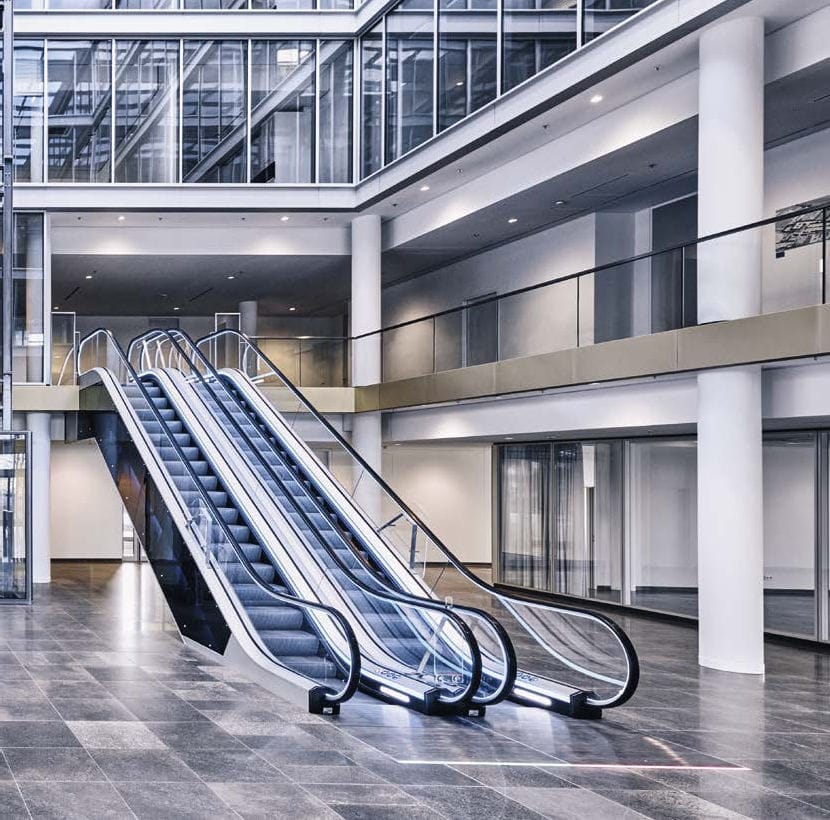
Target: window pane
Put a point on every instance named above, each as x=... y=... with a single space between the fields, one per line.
x=282 y=111
x=146 y=4
x=80 y=111
x=282 y=5
x=525 y=514
x=789 y=534
x=409 y=92
x=663 y=525
x=537 y=33
x=76 y=5
x=336 y=111
x=214 y=99
x=371 y=57
x=28 y=350
x=28 y=111
x=146 y=102
x=467 y=58
x=601 y=15
x=14 y=498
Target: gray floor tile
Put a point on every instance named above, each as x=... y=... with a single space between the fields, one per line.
x=11 y=803
x=474 y=802
x=279 y=801
x=91 y=709
x=27 y=733
x=142 y=765
x=53 y=765
x=162 y=709
x=74 y=800
x=118 y=734
x=176 y=801
x=193 y=735
x=330 y=774
x=231 y=766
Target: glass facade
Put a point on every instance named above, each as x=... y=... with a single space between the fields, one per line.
x=29 y=308
x=277 y=111
x=616 y=521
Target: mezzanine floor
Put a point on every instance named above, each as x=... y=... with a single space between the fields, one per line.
x=103 y=713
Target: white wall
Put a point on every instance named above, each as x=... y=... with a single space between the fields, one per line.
x=449 y=486
x=86 y=507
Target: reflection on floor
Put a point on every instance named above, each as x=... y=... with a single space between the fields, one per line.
x=104 y=713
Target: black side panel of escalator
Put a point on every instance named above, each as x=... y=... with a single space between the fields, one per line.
x=191 y=602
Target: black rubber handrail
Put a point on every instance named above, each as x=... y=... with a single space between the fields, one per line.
x=352 y=674
x=632 y=660
x=391 y=596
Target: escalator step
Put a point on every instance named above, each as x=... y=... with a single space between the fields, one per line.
x=253 y=595
x=290 y=641
x=286 y=617
x=236 y=573
x=313 y=667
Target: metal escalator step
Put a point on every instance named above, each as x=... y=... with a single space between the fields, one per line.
x=254 y=595
x=169 y=452
x=290 y=641
x=161 y=439
x=236 y=573
x=270 y=618
x=316 y=668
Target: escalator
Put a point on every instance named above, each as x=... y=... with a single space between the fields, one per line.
x=572 y=660
x=410 y=651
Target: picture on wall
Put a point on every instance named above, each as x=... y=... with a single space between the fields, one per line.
x=807 y=229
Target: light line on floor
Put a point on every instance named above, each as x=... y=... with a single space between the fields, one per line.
x=576 y=765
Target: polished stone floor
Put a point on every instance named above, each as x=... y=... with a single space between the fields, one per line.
x=103 y=713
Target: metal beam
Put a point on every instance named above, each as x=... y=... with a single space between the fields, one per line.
x=8 y=214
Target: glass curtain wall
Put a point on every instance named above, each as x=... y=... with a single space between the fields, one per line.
x=336 y=110
x=28 y=111
x=571 y=515
x=409 y=78
x=560 y=517
x=214 y=106
x=537 y=33
x=282 y=110
x=601 y=15
x=80 y=111
x=146 y=111
x=29 y=307
x=467 y=58
x=371 y=100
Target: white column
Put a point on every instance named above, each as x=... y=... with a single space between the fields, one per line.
x=248 y=317
x=40 y=426
x=366 y=353
x=730 y=487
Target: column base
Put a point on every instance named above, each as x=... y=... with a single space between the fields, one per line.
x=730 y=666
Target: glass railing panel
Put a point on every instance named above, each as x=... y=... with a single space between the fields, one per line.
x=409 y=351
x=15 y=550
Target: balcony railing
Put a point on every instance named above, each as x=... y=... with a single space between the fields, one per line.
x=639 y=296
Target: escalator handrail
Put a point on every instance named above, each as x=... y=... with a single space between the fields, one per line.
x=629 y=651
x=393 y=596
x=352 y=674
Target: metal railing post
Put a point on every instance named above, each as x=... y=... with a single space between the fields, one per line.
x=8 y=214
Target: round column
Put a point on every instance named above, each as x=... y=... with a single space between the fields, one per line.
x=730 y=485
x=39 y=424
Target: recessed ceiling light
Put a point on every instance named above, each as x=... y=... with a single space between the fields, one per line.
x=57 y=307
x=560 y=202
x=175 y=308
x=121 y=218
x=425 y=187
x=512 y=220
x=460 y=83
x=597 y=98
x=88 y=276
x=292 y=309
x=231 y=276
x=284 y=218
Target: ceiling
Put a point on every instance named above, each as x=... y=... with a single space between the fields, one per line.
x=198 y=285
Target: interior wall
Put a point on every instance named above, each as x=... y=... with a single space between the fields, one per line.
x=450 y=487
x=86 y=508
